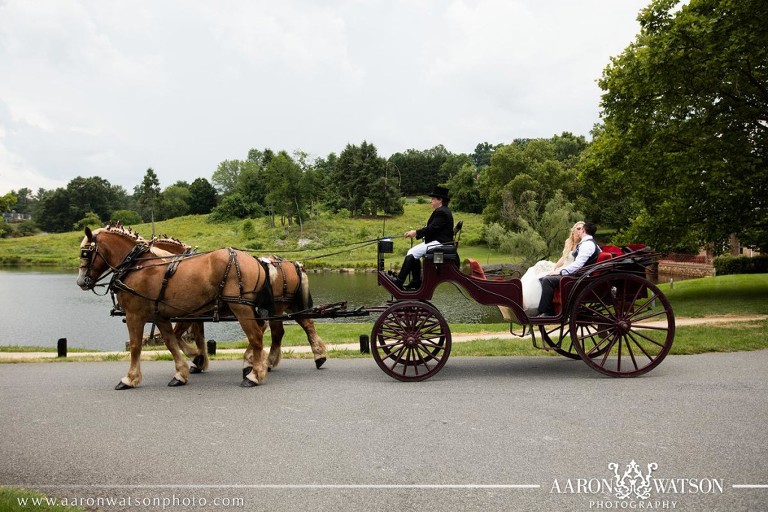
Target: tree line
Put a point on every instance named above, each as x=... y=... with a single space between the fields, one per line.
x=678 y=160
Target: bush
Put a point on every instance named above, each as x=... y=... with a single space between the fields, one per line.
x=249 y=231
x=126 y=217
x=90 y=220
x=725 y=265
x=5 y=229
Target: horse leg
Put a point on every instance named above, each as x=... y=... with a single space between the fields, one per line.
x=172 y=343
x=277 y=338
x=318 y=347
x=136 y=335
x=248 y=354
x=200 y=361
x=254 y=330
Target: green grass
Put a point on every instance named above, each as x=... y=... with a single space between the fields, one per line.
x=745 y=294
x=322 y=236
x=13 y=499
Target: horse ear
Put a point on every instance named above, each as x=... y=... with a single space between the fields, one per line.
x=88 y=233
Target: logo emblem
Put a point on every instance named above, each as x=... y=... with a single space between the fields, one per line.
x=632 y=484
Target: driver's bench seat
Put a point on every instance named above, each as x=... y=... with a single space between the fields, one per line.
x=449 y=250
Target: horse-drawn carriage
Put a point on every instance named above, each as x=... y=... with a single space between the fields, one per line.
x=608 y=314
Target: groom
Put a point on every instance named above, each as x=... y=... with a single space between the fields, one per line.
x=586 y=253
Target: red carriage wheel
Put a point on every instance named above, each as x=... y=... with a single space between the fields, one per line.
x=559 y=339
x=629 y=324
x=411 y=341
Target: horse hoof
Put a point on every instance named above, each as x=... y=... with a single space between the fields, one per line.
x=198 y=361
x=176 y=382
x=195 y=369
x=247 y=383
x=320 y=362
x=247 y=370
x=122 y=385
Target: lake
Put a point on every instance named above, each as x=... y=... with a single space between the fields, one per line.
x=39 y=306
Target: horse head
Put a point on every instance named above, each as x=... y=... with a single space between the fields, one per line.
x=103 y=250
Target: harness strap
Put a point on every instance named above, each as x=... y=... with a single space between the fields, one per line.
x=168 y=274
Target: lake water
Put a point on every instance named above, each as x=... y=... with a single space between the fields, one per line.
x=37 y=307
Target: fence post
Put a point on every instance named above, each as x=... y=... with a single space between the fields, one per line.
x=211 y=347
x=61 y=347
x=364 y=344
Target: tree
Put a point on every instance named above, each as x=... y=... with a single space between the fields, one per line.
x=7 y=201
x=465 y=195
x=176 y=200
x=226 y=175
x=685 y=135
x=148 y=196
x=540 y=229
x=420 y=170
x=355 y=175
x=202 y=197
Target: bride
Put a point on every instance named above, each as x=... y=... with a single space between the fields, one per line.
x=530 y=280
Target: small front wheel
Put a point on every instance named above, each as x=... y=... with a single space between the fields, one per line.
x=411 y=341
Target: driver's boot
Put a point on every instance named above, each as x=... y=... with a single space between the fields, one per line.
x=415 y=283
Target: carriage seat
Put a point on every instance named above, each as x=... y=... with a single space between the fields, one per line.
x=449 y=249
x=604 y=256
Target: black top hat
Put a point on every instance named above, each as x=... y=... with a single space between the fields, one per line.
x=440 y=192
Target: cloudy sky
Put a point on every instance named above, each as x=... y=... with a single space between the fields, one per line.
x=109 y=88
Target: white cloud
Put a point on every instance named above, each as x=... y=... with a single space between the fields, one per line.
x=109 y=89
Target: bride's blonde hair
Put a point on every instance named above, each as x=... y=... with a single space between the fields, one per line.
x=572 y=241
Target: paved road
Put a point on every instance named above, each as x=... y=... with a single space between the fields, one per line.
x=485 y=434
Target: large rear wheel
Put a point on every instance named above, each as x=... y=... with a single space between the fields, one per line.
x=411 y=341
x=622 y=325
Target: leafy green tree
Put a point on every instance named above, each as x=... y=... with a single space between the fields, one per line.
x=287 y=192
x=685 y=135
x=176 y=200
x=483 y=153
x=226 y=175
x=420 y=170
x=90 y=195
x=126 y=217
x=355 y=175
x=90 y=220
x=7 y=201
x=465 y=194
x=148 y=196
x=540 y=229
x=202 y=197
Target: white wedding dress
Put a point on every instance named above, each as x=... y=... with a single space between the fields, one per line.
x=532 y=285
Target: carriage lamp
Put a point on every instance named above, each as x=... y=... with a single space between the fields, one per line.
x=386 y=246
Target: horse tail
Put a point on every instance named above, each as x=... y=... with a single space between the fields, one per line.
x=304 y=297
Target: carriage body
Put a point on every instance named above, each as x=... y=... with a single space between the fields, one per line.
x=608 y=314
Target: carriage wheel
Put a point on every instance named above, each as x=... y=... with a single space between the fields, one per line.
x=630 y=323
x=411 y=341
x=558 y=337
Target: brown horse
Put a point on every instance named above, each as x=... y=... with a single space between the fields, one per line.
x=156 y=291
x=289 y=286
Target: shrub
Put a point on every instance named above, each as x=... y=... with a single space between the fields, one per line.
x=90 y=220
x=249 y=231
x=725 y=265
x=126 y=217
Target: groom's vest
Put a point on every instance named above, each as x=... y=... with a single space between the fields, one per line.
x=595 y=254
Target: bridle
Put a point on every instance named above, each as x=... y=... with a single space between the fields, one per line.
x=88 y=254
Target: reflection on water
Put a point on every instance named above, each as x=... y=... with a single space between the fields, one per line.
x=40 y=306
